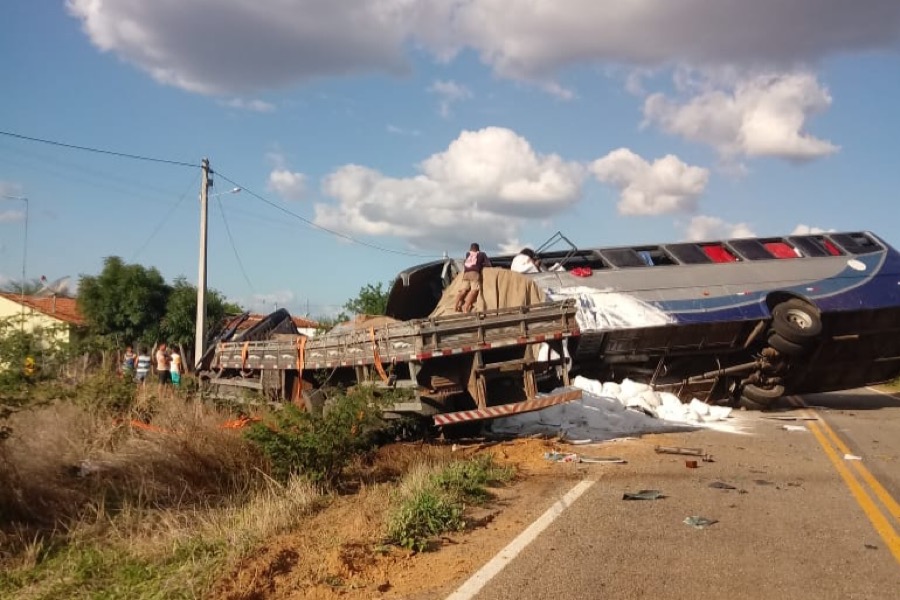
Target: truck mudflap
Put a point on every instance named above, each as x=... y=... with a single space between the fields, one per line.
x=504 y=410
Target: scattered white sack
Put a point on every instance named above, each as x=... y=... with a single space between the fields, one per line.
x=852 y=457
x=611 y=389
x=589 y=385
x=545 y=353
x=670 y=400
x=720 y=413
x=651 y=398
x=673 y=412
x=632 y=388
x=699 y=408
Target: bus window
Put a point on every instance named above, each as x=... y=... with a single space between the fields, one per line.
x=814 y=246
x=750 y=249
x=719 y=253
x=624 y=257
x=688 y=254
x=856 y=243
x=654 y=256
x=781 y=249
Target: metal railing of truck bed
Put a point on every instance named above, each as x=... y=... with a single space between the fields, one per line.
x=407 y=341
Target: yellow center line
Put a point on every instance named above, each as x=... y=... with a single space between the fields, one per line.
x=884 y=496
x=879 y=521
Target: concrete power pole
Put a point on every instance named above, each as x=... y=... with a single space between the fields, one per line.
x=200 y=335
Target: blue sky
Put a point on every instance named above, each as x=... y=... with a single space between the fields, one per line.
x=412 y=128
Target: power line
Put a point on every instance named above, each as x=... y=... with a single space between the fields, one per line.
x=166 y=218
x=100 y=150
x=320 y=227
x=233 y=246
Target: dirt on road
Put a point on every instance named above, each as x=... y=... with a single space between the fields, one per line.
x=340 y=552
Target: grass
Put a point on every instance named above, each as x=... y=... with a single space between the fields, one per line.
x=92 y=506
x=111 y=497
x=432 y=500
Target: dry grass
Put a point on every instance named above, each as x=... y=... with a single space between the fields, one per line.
x=90 y=504
x=65 y=460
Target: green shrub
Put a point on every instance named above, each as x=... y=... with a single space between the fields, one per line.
x=319 y=446
x=423 y=516
x=435 y=503
x=468 y=480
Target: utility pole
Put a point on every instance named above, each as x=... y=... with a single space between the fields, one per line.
x=200 y=335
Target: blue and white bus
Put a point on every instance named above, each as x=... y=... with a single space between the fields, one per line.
x=747 y=319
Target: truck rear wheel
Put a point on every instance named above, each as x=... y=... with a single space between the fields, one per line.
x=758 y=398
x=797 y=321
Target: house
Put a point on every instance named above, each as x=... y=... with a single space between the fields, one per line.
x=50 y=313
x=304 y=326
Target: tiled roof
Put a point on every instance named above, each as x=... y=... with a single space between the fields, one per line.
x=63 y=309
x=300 y=322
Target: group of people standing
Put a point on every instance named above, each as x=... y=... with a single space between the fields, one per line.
x=169 y=365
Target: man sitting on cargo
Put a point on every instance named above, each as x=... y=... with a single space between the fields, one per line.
x=525 y=262
x=476 y=260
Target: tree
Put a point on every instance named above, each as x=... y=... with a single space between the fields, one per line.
x=179 y=324
x=372 y=300
x=124 y=300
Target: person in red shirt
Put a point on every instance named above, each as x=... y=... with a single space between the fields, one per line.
x=475 y=262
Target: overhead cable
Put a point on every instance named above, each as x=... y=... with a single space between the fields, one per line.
x=100 y=150
x=315 y=225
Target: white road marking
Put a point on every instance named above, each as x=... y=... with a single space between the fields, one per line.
x=477 y=581
x=877 y=391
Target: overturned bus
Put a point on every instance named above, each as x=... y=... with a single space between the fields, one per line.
x=743 y=321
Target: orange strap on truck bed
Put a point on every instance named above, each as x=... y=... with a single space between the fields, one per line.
x=377 y=358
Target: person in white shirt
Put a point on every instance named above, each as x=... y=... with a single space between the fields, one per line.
x=525 y=262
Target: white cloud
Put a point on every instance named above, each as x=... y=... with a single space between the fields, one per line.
x=667 y=185
x=259 y=106
x=762 y=115
x=226 y=46
x=482 y=187
x=802 y=229
x=11 y=216
x=289 y=185
x=703 y=227
x=450 y=92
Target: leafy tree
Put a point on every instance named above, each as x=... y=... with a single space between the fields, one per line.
x=179 y=324
x=124 y=300
x=372 y=300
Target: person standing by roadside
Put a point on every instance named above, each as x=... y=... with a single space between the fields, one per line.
x=175 y=367
x=142 y=365
x=475 y=262
x=128 y=363
x=162 y=367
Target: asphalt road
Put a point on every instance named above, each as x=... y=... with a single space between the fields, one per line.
x=804 y=522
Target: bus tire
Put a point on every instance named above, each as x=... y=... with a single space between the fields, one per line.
x=787 y=347
x=760 y=395
x=796 y=321
x=748 y=404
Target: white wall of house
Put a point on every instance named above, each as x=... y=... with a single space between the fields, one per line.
x=33 y=319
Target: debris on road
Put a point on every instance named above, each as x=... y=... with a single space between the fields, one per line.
x=699 y=522
x=575 y=458
x=852 y=457
x=788 y=418
x=691 y=464
x=684 y=451
x=643 y=495
x=794 y=427
x=721 y=485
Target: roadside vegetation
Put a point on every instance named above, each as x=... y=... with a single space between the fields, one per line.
x=111 y=490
